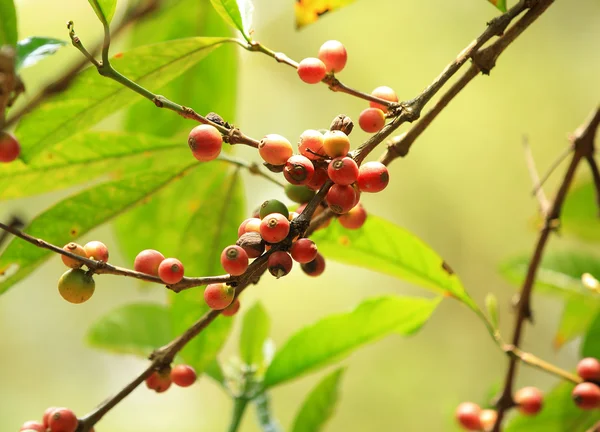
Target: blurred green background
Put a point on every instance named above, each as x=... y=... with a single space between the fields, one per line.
x=464 y=189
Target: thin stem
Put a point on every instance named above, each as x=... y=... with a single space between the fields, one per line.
x=252 y=167
x=596 y=176
x=540 y=364
x=552 y=168
x=239 y=408
x=535 y=179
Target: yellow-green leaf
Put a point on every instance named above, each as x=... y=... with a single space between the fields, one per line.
x=309 y=11
x=105 y=9
x=237 y=13
x=500 y=4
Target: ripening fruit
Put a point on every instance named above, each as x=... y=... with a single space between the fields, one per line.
x=343 y=171
x=385 y=93
x=76 y=286
x=275 y=149
x=298 y=170
x=63 y=420
x=76 y=249
x=318 y=179
x=250 y=225
x=304 y=250
x=170 y=271
x=586 y=396
x=33 y=426
x=334 y=55
x=316 y=267
x=488 y=419
x=96 y=250
x=10 y=149
x=234 y=260
x=371 y=120
x=147 y=261
x=589 y=369
x=311 y=144
x=205 y=141
x=467 y=415
x=336 y=143
x=218 y=295
x=529 y=400
x=273 y=206
x=252 y=243
x=280 y=263
x=46 y=416
x=299 y=193
x=372 y=177
x=183 y=375
x=159 y=381
x=274 y=228
x=355 y=218
x=232 y=309
x=340 y=199
x=312 y=70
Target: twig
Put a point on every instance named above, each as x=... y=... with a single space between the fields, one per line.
x=252 y=167
x=596 y=176
x=535 y=179
x=532 y=360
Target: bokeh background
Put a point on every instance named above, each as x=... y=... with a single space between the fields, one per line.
x=464 y=189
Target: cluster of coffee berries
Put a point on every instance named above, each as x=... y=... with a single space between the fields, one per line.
x=587 y=394
x=54 y=420
x=180 y=375
x=331 y=59
x=10 y=149
x=152 y=262
x=77 y=285
x=372 y=119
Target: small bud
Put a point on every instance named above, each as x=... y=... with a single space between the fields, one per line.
x=252 y=243
x=343 y=123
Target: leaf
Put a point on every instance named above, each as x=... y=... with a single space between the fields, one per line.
x=255 y=331
x=320 y=404
x=78 y=108
x=137 y=329
x=500 y=4
x=386 y=248
x=33 y=49
x=76 y=215
x=8 y=23
x=237 y=13
x=591 y=342
x=336 y=336
x=576 y=318
x=560 y=414
x=491 y=304
x=580 y=213
x=309 y=11
x=105 y=9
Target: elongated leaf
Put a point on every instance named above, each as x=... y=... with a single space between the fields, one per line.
x=309 y=11
x=386 y=248
x=320 y=404
x=577 y=316
x=591 y=343
x=79 y=107
x=137 y=329
x=491 y=304
x=73 y=217
x=8 y=23
x=336 y=336
x=500 y=4
x=237 y=13
x=105 y=9
x=580 y=213
x=255 y=331
x=33 y=49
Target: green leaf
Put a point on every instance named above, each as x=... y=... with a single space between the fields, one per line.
x=491 y=304
x=74 y=216
x=336 y=336
x=579 y=214
x=33 y=49
x=105 y=9
x=77 y=109
x=560 y=414
x=309 y=11
x=320 y=404
x=136 y=329
x=8 y=23
x=255 y=331
x=591 y=342
x=500 y=4
x=386 y=248
x=237 y=13
x=576 y=318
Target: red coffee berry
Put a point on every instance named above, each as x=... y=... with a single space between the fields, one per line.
x=170 y=271
x=298 y=170
x=586 y=396
x=159 y=381
x=311 y=144
x=46 y=416
x=311 y=70
x=62 y=420
x=183 y=375
x=385 y=93
x=76 y=249
x=205 y=141
x=234 y=260
x=274 y=228
x=488 y=419
x=147 y=261
x=343 y=170
x=355 y=218
x=231 y=309
x=316 y=267
x=529 y=400
x=275 y=149
x=96 y=250
x=589 y=369
x=33 y=426
x=280 y=264
x=336 y=143
x=371 y=120
x=372 y=177
x=10 y=149
x=304 y=250
x=467 y=415
x=334 y=55
x=318 y=179
x=242 y=227
x=218 y=296
x=340 y=199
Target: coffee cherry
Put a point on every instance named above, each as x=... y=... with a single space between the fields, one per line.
x=355 y=218
x=274 y=228
x=298 y=170
x=340 y=199
x=32 y=426
x=96 y=250
x=183 y=375
x=252 y=243
x=76 y=249
x=371 y=120
x=219 y=295
x=273 y=206
x=372 y=177
x=488 y=419
x=343 y=170
x=529 y=400
x=311 y=144
x=76 y=286
x=311 y=70
x=62 y=420
x=589 y=369
x=234 y=260
x=304 y=250
x=336 y=143
x=299 y=193
x=467 y=415
x=316 y=267
x=147 y=261
x=232 y=309
x=205 y=141
x=275 y=149
x=385 y=93
x=10 y=149
x=250 y=225
x=170 y=271
x=318 y=179
x=46 y=416
x=586 y=396
x=159 y=381
x=334 y=55
x=279 y=264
